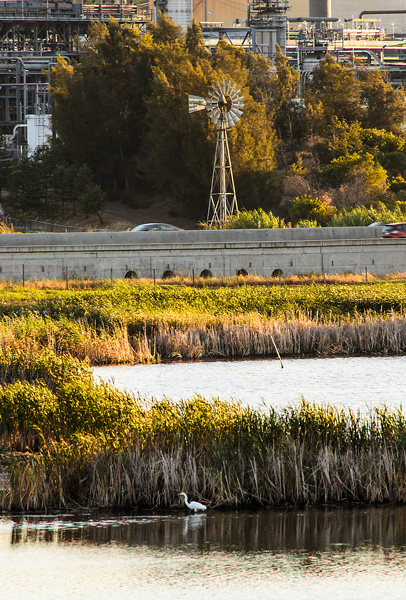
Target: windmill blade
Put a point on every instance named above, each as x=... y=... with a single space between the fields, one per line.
x=213 y=93
x=230 y=121
x=229 y=87
x=235 y=111
x=212 y=108
x=240 y=106
x=216 y=121
x=237 y=100
x=234 y=118
x=235 y=93
x=231 y=92
x=214 y=114
x=196 y=103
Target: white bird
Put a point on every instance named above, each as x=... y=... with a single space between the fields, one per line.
x=195 y=506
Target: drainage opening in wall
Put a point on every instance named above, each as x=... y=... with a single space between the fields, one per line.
x=168 y=274
x=130 y=275
x=242 y=273
x=277 y=273
x=206 y=273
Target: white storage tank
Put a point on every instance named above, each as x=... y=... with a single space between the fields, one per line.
x=39 y=130
x=180 y=11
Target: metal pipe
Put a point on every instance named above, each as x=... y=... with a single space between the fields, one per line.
x=379 y=12
x=314 y=19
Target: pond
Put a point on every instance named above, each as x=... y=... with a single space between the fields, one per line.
x=355 y=553
x=357 y=382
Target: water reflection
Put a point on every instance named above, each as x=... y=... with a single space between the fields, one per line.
x=268 y=555
x=286 y=530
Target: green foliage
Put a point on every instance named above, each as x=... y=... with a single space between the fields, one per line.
x=98 y=112
x=394 y=163
x=305 y=223
x=142 y=307
x=123 y=112
x=344 y=139
x=100 y=447
x=46 y=184
x=311 y=209
x=333 y=93
x=398 y=184
x=363 y=215
x=297 y=168
x=92 y=200
x=194 y=42
x=349 y=93
x=382 y=140
x=384 y=105
x=282 y=98
x=254 y=219
x=343 y=167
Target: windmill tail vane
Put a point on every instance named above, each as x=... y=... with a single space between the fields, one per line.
x=224 y=106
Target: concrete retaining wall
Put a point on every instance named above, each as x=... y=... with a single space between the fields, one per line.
x=219 y=253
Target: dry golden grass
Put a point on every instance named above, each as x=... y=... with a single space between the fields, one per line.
x=214 y=282
x=140 y=476
x=187 y=337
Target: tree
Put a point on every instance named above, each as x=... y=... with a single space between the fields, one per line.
x=344 y=167
x=25 y=188
x=178 y=148
x=194 y=43
x=385 y=106
x=334 y=92
x=92 y=200
x=164 y=31
x=282 y=103
x=98 y=108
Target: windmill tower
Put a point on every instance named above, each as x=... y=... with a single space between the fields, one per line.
x=224 y=106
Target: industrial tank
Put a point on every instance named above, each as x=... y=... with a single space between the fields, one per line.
x=320 y=8
x=180 y=11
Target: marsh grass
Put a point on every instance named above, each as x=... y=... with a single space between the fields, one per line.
x=345 y=278
x=66 y=441
x=152 y=326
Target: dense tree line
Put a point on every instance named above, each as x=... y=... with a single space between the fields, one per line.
x=122 y=125
x=123 y=111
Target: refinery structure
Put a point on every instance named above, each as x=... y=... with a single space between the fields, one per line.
x=33 y=33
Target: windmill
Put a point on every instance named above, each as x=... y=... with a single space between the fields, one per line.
x=224 y=107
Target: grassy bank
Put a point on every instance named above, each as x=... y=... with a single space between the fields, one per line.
x=65 y=441
x=143 y=323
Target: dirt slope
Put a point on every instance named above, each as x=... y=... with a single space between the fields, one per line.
x=121 y=217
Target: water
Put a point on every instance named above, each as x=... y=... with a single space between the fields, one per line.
x=329 y=553
x=277 y=555
x=358 y=383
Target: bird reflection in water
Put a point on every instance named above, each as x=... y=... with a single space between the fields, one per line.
x=193 y=523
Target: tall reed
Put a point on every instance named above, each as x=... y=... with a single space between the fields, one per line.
x=95 y=446
x=152 y=337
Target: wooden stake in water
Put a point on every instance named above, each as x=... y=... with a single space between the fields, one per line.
x=277 y=352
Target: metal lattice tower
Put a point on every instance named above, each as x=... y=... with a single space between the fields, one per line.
x=224 y=106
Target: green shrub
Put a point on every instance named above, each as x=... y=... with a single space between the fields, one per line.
x=255 y=219
x=306 y=208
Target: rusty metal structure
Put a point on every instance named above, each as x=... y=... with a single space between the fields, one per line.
x=268 y=23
